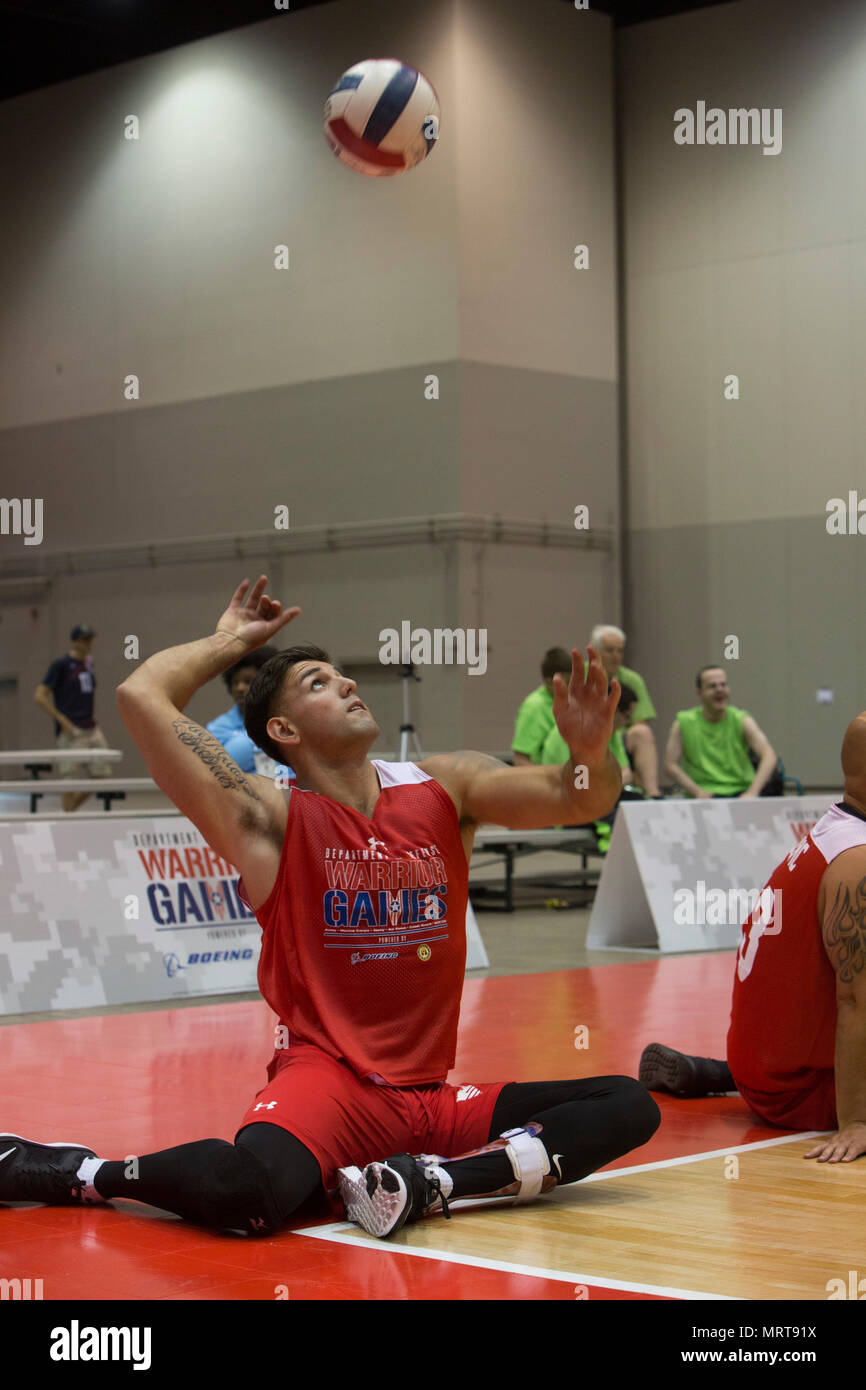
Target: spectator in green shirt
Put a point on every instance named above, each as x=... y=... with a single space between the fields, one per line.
x=708 y=746
x=535 y=716
x=556 y=751
x=640 y=742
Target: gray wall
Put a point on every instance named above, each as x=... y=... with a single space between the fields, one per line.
x=740 y=262
x=306 y=387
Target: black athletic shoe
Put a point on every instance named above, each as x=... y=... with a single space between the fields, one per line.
x=388 y=1195
x=663 y=1069
x=31 y=1172
x=690 y=1077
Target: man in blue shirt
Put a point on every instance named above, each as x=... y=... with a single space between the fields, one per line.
x=66 y=694
x=229 y=728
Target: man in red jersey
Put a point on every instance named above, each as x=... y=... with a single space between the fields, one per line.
x=358 y=876
x=797 y=1039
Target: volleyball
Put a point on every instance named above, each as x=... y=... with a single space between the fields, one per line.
x=382 y=117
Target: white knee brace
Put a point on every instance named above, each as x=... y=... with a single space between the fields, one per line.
x=529 y=1162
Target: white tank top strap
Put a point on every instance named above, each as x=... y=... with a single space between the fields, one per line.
x=398 y=774
x=837 y=831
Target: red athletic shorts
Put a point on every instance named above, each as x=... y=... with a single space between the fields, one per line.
x=813 y=1106
x=345 y=1120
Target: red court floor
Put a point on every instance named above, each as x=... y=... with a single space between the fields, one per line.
x=132 y=1083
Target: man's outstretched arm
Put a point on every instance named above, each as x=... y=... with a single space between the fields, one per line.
x=185 y=761
x=529 y=798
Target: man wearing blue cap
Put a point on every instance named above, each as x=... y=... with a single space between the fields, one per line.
x=66 y=694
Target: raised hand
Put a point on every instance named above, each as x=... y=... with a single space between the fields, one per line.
x=254 y=618
x=584 y=710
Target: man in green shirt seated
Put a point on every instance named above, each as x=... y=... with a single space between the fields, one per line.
x=708 y=746
x=556 y=749
x=556 y=752
x=535 y=716
x=640 y=742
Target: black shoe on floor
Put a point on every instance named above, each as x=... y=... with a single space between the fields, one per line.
x=31 y=1172
x=663 y=1069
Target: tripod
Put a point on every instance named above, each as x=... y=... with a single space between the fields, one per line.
x=407 y=728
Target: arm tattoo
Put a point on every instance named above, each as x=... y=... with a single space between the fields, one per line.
x=845 y=931
x=213 y=755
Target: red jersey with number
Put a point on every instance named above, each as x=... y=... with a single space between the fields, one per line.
x=364 y=932
x=782 y=1037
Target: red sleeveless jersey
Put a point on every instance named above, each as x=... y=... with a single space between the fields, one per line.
x=783 y=1013
x=364 y=932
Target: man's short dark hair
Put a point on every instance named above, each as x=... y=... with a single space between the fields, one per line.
x=556 y=659
x=714 y=666
x=262 y=695
x=256 y=659
x=627 y=698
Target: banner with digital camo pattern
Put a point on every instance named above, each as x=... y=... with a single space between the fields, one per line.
x=683 y=875
x=117 y=912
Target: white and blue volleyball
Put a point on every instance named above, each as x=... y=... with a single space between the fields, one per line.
x=382 y=117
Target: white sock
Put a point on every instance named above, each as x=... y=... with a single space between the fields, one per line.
x=85 y=1175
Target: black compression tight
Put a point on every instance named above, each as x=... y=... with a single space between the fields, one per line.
x=585 y=1123
x=217 y=1184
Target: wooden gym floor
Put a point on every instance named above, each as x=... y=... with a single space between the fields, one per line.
x=717 y=1205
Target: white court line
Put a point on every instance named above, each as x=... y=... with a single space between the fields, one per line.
x=340 y=1234
x=346 y=1233
x=711 y=1153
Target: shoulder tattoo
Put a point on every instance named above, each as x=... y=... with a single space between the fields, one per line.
x=845 y=931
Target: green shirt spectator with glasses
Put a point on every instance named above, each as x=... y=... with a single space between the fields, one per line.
x=708 y=746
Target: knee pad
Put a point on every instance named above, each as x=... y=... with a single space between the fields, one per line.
x=529 y=1161
x=236 y=1193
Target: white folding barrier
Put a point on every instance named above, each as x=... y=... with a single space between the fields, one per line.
x=679 y=873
